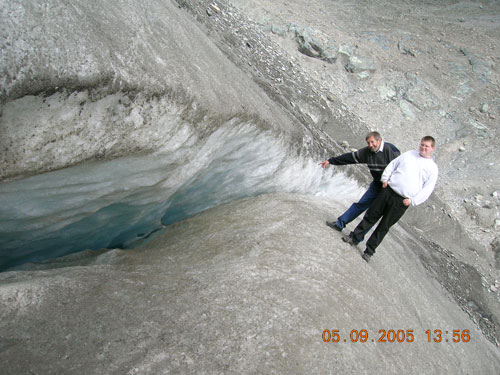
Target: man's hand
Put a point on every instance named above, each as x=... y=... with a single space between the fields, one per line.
x=407 y=202
x=385 y=184
x=325 y=163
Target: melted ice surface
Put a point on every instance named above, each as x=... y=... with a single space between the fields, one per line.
x=115 y=203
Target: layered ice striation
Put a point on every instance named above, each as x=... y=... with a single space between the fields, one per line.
x=181 y=129
x=113 y=204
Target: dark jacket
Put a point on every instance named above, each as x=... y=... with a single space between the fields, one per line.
x=376 y=161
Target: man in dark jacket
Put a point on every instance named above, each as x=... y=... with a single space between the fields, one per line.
x=376 y=156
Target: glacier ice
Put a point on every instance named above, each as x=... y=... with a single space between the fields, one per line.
x=114 y=204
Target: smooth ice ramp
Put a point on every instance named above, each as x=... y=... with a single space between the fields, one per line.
x=247 y=287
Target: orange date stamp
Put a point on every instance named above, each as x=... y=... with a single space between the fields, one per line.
x=395 y=335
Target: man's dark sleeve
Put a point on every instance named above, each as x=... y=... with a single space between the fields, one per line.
x=356 y=157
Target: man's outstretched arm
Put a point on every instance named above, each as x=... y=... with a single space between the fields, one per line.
x=355 y=157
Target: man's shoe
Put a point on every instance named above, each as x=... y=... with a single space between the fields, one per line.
x=333 y=224
x=366 y=257
x=350 y=240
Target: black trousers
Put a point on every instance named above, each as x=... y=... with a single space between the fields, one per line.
x=389 y=206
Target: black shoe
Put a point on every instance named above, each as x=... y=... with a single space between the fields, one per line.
x=366 y=257
x=349 y=239
x=334 y=225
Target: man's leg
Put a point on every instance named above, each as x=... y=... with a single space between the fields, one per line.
x=393 y=211
x=359 y=207
x=371 y=217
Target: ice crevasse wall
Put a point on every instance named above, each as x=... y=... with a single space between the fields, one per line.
x=119 y=119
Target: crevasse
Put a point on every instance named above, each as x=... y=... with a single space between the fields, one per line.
x=114 y=204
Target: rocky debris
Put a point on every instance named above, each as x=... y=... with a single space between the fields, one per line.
x=484 y=212
x=419 y=93
x=310 y=42
x=361 y=66
x=484 y=108
x=279 y=74
x=317 y=44
x=278 y=30
x=494 y=287
x=346 y=49
x=387 y=91
x=407 y=48
x=314 y=43
x=413 y=95
x=468 y=287
x=495 y=248
x=407 y=110
x=213 y=9
x=480 y=66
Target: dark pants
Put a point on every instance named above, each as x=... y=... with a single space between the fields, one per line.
x=358 y=208
x=389 y=206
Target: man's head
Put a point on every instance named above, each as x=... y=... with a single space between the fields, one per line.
x=374 y=140
x=427 y=146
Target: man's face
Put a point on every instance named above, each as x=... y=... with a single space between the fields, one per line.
x=373 y=143
x=426 y=149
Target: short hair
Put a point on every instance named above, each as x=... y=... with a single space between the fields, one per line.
x=428 y=138
x=376 y=135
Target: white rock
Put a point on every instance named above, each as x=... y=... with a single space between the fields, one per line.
x=214 y=7
x=484 y=108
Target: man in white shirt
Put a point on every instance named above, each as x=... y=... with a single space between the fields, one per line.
x=407 y=180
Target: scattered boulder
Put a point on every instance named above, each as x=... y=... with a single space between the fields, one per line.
x=278 y=30
x=346 y=49
x=407 y=110
x=480 y=66
x=407 y=48
x=479 y=129
x=361 y=66
x=420 y=94
x=314 y=43
x=386 y=91
x=212 y=9
x=484 y=108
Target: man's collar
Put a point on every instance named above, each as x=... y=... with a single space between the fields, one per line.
x=381 y=148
